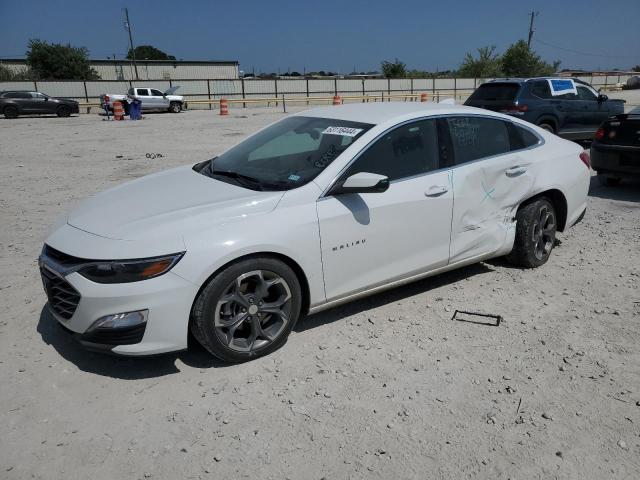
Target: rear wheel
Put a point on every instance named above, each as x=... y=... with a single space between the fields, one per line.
x=175 y=107
x=10 y=111
x=547 y=126
x=536 y=225
x=63 y=111
x=247 y=310
x=608 y=181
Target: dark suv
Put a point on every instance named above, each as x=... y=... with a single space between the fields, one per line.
x=22 y=102
x=575 y=117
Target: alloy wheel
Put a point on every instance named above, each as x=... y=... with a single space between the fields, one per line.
x=544 y=233
x=253 y=310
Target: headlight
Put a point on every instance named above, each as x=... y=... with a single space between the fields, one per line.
x=126 y=271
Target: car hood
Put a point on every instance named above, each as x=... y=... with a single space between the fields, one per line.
x=168 y=204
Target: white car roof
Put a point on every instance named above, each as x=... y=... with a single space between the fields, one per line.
x=380 y=112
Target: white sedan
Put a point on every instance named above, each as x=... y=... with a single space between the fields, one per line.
x=317 y=209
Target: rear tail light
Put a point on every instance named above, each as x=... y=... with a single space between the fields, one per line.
x=599 y=134
x=584 y=156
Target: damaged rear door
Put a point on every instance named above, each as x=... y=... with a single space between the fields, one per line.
x=493 y=173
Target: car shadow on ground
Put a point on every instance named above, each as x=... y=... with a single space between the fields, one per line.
x=125 y=368
x=627 y=191
x=131 y=368
x=390 y=296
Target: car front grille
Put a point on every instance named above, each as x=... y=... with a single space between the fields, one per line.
x=63 y=298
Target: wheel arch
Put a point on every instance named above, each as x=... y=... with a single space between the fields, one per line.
x=559 y=201
x=290 y=262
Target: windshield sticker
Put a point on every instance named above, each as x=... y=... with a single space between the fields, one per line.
x=294 y=178
x=327 y=157
x=344 y=131
x=562 y=87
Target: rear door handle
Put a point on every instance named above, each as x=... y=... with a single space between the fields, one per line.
x=436 y=191
x=515 y=171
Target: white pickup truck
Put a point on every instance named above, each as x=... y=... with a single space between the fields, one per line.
x=151 y=98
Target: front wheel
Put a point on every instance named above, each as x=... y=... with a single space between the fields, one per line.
x=63 y=111
x=536 y=227
x=247 y=310
x=175 y=107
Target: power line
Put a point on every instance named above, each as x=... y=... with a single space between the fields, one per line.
x=584 y=53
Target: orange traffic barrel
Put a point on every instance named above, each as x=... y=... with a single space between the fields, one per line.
x=224 y=106
x=337 y=100
x=423 y=97
x=118 y=111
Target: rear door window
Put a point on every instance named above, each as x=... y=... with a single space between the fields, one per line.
x=17 y=95
x=143 y=92
x=496 y=92
x=541 y=89
x=473 y=138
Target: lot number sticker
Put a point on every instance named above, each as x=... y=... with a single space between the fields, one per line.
x=561 y=87
x=344 y=131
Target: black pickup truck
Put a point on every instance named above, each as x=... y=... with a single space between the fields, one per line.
x=572 y=116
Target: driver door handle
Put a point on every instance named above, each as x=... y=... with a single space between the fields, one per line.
x=515 y=171
x=436 y=191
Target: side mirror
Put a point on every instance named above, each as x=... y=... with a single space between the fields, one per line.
x=362 y=182
x=602 y=98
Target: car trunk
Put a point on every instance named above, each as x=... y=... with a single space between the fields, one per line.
x=621 y=130
x=495 y=96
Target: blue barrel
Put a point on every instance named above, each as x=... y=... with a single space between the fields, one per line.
x=135 y=110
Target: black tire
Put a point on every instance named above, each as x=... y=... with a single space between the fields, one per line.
x=607 y=181
x=535 y=234
x=10 y=111
x=548 y=126
x=175 y=107
x=207 y=307
x=63 y=111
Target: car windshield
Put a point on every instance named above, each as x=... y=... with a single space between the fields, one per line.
x=286 y=155
x=496 y=91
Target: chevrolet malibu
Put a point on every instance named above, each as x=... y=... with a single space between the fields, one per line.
x=317 y=209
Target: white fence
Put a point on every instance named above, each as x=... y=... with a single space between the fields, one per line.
x=195 y=89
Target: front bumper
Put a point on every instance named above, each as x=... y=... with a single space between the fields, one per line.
x=168 y=299
x=615 y=159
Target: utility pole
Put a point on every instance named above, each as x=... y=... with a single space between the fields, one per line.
x=533 y=15
x=127 y=25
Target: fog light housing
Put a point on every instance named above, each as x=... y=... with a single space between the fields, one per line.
x=120 y=320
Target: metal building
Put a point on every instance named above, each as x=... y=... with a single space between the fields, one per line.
x=153 y=69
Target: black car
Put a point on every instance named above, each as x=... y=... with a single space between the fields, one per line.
x=21 y=102
x=615 y=151
x=575 y=117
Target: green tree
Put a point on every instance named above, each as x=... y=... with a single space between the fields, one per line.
x=636 y=68
x=148 y=52
x=520 y=61
x=395 y=69
x=488 y=64
x=54 y=61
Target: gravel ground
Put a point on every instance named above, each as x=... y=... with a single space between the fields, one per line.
x=386 y=387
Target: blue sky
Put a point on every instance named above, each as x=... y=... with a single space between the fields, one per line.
x=332 y=35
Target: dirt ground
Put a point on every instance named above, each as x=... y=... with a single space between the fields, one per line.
x=386 y=387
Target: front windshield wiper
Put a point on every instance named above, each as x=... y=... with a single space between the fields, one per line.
x=244 y=180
